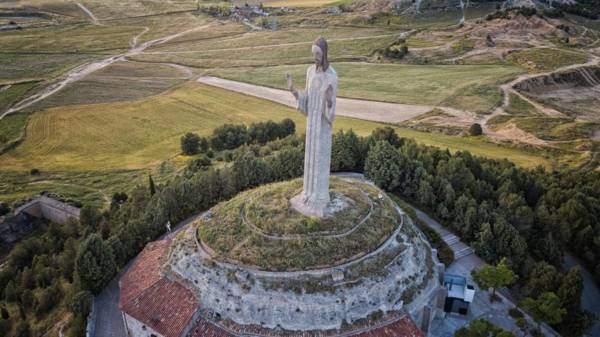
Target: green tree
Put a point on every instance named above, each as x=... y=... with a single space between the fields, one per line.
x=482 y=328
x=27 y=299
x=4 y=327
x=383 y=165
x=22 y=329
x=90 y=217
x=95 y=264
x=151 y=185
x=190 y=144
x=81 y=303
x=388 y=134
x=11 y=293
x=546 y=308
x=494 y=277
x=229 y=137
x=346 y=154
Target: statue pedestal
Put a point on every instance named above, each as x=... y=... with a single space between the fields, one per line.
x=320 y=209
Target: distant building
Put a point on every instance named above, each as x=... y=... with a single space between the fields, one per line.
x=460 y=294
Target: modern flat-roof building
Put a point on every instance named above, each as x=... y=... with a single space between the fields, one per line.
x=460 y=293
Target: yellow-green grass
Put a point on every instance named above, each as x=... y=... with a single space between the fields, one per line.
x=267 y=209
x=121 y=81
x=520 y=107
x=11 y=126
x=232 y=237
x=141 y=134
x=292 y=3
x=546 y=59
x=90 y=187
x=399 y=83
x=111 y=9
x=25 y=66
x=562 y=129
x=415 y=42
x=284 y=46
x=110 y=38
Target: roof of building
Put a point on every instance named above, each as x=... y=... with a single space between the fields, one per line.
x=402 y=327
x=150 y=297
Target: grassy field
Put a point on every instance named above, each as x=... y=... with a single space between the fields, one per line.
x=142 y=134
x=520 y=107
x=265 y=48
x=562 y=129
x=545 y=59
x=399 y=83
x=292 y=3
x=121 y=81
x=25 y=66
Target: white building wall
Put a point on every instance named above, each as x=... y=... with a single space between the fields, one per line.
x=136 y=328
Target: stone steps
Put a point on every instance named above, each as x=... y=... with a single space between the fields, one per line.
x=463 y=252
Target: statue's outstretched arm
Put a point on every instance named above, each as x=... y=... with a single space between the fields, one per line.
x=300 y=95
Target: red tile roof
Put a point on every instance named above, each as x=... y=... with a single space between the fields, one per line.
x=150 y=297
x=402 y=327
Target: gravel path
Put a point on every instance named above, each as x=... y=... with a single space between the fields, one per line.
x=355 y=108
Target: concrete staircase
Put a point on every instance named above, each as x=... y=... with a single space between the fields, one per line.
x=460 y=249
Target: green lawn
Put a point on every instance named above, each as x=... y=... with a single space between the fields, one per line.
x=464 y=86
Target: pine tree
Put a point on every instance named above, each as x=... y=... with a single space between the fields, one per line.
x=95 y=264
x=151 y=183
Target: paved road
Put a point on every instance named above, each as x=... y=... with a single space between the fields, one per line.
x=590 y=298
x=109 y=322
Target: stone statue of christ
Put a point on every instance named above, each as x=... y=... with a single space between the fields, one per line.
x=317 y=103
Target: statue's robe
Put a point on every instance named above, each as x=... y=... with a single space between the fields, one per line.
x=317 y=152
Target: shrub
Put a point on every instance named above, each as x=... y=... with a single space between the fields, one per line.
x=190 y=144
x=475 y=130
x=229 y=137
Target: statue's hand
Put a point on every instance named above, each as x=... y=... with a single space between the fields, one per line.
x=290 y=84
x=329 y=96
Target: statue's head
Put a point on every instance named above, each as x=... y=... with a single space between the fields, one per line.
x=319 y=51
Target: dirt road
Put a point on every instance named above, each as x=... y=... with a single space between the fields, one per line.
x=367 y=110
x=89 y=13
x=82 y=71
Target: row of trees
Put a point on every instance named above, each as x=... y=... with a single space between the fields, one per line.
x=232 y=136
